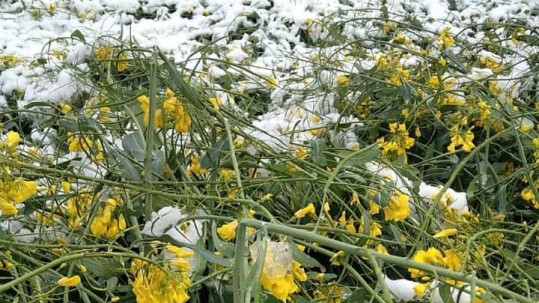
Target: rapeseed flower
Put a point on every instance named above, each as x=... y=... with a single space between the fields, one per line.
x=228 y=231
x=398 y=208
x=69 y=281
x=308 y=210
x=280 y=271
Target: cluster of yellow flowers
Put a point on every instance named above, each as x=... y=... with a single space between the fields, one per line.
x=13 y=191
x=76 y=207
x=162 y=284
x=5 y=264
x=105 y=53
x=459 y=138
x=105 y=223
x=398 y=208
x=171 y=111
x=398 y=143
x=280 y=271
x=83 y=143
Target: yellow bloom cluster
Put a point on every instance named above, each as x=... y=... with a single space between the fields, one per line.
x=280 y=271
x=77 y=206
x=528 y=195
x=329 y=293
x=460 y=139
x=5 y=263
x=172 y=111
x=228 y=231
x=105 y=224
x=13 y=192
x=448 y=259
x=82 y=143
x=398 y=208
x=399 y=142
x=166 y=284
x=445 y=40
x=9 y=60
x=8 y=146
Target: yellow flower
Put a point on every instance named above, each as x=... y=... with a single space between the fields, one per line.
x=308 y=210
x=342 y=80
x=123 y=62
x=374 y=208
x=272 y=82
x=65 y=108
x=105 y=224
x=228 y=231
x=398 y=143
x=445 y=39
x=215 y=102
x=301 y=153
x=227 y=174
x=178 y=251
x=66 y=187
x=421 y=288
x=160 y=285
x=398 y=208
x=103 y=53
x=195 y=167
x=459 y=139
x=12 y=140
x=71 y=281
x=82 y=268
x=15 y=192
x=452 y=260
x=381 y=249
x=446 y=233
x=280 y=271
x=335 y=259
x=80 y=143
x=431 y=256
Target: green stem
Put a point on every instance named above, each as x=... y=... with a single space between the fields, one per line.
x=148 y=202
x=239 y=266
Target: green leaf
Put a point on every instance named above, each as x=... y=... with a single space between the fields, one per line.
x=357 y=296
x=445 y=293
x=317 y=152
x=158 y=161
x=303 y=258
x=212 y=158
x=179 y=83
x=134 y=145
x=83 y=125
x=357 y=158
x=405 y=91
x=105 y=268
x=501 y=198
x=78 y=34
x=111 y=283
x=130 y=172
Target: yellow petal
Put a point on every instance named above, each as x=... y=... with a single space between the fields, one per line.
x=309 y=209
x=446 y=233
x=71 y=281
